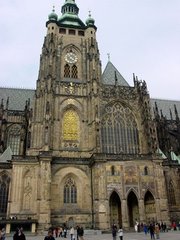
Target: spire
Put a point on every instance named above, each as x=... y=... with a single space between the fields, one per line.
x=69 y=17
x=90 y=21
x=53 y=16
x=70 y=7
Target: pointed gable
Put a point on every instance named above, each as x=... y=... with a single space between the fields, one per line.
x=110 y=75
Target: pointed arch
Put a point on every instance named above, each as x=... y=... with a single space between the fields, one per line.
x=71 y=125
x=149 y=205
x=119 y=130
x=67 y=71
x=70 y=191
x=4 y=191
x=115 y=209
x=112 y=170
x=74 y=71
x=146 y=171
x=14 y=138
x=133 y=208
x=171 y=193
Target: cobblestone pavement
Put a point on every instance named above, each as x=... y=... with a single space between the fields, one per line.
x=171 y=235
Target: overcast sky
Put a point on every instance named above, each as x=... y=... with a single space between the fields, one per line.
x=142 y=37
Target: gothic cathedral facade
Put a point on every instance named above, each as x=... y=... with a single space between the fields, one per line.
x=85 y=149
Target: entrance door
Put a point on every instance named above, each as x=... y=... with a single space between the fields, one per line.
x=115 y=209
x=133 y=209
x=150 y=209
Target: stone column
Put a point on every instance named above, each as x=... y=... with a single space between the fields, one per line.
x=141 y=211
x=45 y=189
x=124 y=210
x=158 y=211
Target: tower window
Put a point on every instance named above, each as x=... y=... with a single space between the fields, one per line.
x=67 y=71
x=70 y=71
x=62 y=30
x=81 y=33
x=72 y=32
x=74 y=71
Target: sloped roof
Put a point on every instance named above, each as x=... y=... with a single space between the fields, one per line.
x=17 y=97
x=7 y=155
x=165 y=106
x=110 y=74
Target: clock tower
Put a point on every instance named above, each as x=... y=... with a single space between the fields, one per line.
x=66 y=101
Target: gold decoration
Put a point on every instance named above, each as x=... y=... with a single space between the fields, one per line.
x=71 y=126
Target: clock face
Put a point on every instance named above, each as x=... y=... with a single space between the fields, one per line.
x=71 y=57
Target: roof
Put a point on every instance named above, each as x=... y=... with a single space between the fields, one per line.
x=17 y=97
x=7 y=155
x=110 y=75
x=165 y=106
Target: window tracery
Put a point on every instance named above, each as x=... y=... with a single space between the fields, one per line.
x=67 y=71
x=70 y=191
x=119 y=130
x=14 y=138
x=171 y=195
x=70 y=71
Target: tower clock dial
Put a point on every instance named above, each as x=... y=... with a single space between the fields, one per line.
x=71 y=57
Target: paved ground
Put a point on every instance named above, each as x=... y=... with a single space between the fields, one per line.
x=171 y=235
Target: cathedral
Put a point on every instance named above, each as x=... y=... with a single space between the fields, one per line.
x=85 y=147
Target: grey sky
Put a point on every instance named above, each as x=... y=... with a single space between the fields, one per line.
x=142 y=37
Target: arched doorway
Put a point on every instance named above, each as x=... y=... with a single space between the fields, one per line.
x=133 y=209
x=150 y=209
x=115 y=209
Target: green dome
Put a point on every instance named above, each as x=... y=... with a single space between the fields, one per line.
x=90 y=21
x=53 y=15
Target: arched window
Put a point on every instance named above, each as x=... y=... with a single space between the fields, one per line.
x=70 y=71
x=112 y=170
x=171 y=194
x=119 y=130
x=145 y=171
x=67 y=71
x=71 y=126
x=13 y=139
x=74 y=72
x=4 y=189
x=70 y=191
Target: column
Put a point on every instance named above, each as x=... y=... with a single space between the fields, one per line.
x=142 y=215
x=124 y=210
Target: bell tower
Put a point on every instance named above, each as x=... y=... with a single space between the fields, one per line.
x=66 y=106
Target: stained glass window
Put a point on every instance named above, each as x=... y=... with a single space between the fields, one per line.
x=70 y=191
x=119 y=130
x=13 y=140
x=171 y=194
